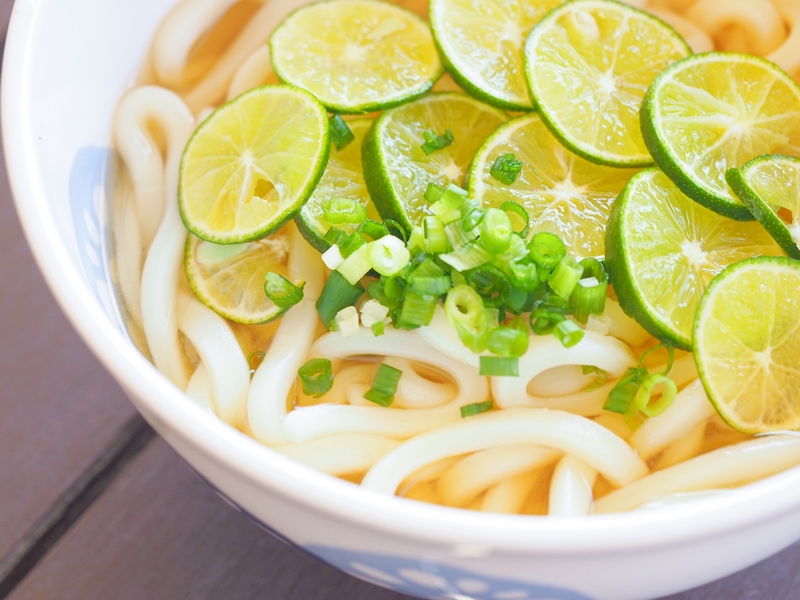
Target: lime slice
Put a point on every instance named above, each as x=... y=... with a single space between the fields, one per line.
x=747 y=344
x=229 y=279
x=717 y=111
x=252 y=163
x=481 y=42
x=343 y=178
x=396 y=169
x=662 y=250
x=769 y=186
x=563 y=193
x=589 y=64
x=356 y=56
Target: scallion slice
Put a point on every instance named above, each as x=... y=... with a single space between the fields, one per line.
x=417 y=309
x=496 y=231
x=471 y=410
x=353 y=242
x=388 y=255
x=373 y=229
x=641 y=408
x=507 y=341
x=384 y=385
x=467 y=257
x=465 y=310
x=282 y=292
x=377 y=329
x=568 y=333
x=343 y=210
x=510 y=206
x=336 y=294
x=316 y=377
x=506 y=168
x=396 y=229
x=434 y=142
x=546 y=250
x=357 y=264
x=523 y=276
x=621 y=396
x=335 y=236
x=341 y=135
x=499 y=366
x=565 y=276
x=434 y=235
x=433 y=192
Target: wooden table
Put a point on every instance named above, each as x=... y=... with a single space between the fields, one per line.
x=94 y=506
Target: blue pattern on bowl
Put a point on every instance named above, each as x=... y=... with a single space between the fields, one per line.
x=90 y=183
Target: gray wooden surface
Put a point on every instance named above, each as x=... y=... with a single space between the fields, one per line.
x=92 y=507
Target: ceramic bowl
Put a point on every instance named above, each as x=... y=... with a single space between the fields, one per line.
x=66 y=64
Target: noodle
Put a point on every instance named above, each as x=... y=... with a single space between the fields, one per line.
x=571 y=488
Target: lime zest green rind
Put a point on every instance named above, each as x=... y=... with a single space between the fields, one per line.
x=630 y=299
x=759 y=264
x=289 y=79
x=759 y=208
x=274 y=224
x=642 y=161
x=659 y=146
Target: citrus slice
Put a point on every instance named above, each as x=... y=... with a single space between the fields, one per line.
x=229 y=279
x=356 y=56
x=343 y=178
x=252 y=163
x=662 y=250
x=481 y=42
x=589 y=64
x=747 y=344
x=769 y=186
x=716 y=111
x=563 y=193
x=396 y=169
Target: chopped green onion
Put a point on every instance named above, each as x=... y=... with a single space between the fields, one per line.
x=523 y=275
x=446 y=213
x=343 y=210
x=568 y=333
x=454 y=197
x=417 y=309
x=510 y=206
x=471 y=410
x=373 y=229
x=544 y=321
x=341 y=135
x=378 y=329
x=499 y=366
x=496 y=231
x=347 y=321
x=433 y=192
x=337 y=294
x=282 y=292
x=316 y=376
x=473 y=218
x=255 y=359
x=373 y=312
x=353 y=242
x=487 y=280
x=467 y=257
x=599 y=380
x=428 y=278
x=388 y=255
x=546 y=250
x=417 y=240
x=507 y=341
x=565 y=276
x=399 y=232
x=465 y=310
x=357 y=264
x=457 y=235
x=588 y=298
x=335 y=236
x=435 y=142
x=332 y=257
x=384 y=385
x=434 y=235
x=641 y=408
x=621 y=396
x=506 y=168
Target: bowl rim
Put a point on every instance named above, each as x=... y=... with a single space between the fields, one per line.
x=400 y=518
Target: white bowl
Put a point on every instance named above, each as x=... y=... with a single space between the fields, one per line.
x=66 y=64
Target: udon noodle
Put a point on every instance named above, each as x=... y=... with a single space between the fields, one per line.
x=549 y=449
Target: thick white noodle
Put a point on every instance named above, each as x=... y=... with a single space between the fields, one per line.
x=486 y=468
x=725 y=467
x=508 y=497
x=254 y=72
x=222 y=357
x=686 y=447
x=179 y=33
x=199 y=388
x=565 y=432
x=128 y=256
x=675 y=499
x=276 y=375
x=163 y=267
x=759 y=19
x=211 y=89
x=571 y=488
x=416 y=391
x=343 y=454
x=698 y=40
x=546 y=352
x=311 y=422
x=690 y=408
x=440 y=334
x=427 y=473
x=787 y=56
